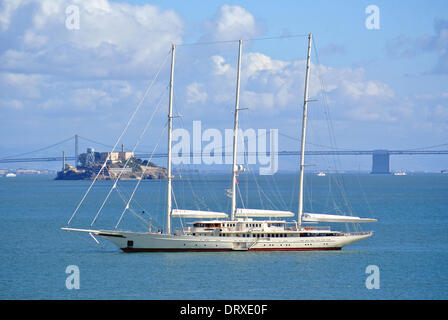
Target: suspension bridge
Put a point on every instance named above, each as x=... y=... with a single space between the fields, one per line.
x=380 y=158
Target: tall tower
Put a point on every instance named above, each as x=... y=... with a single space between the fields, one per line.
x=380 y=162
x=76 y=151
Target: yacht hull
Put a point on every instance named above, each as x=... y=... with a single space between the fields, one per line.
x=156 y=242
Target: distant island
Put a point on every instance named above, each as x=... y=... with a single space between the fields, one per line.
x=124 y=163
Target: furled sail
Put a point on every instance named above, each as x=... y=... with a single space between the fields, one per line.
x=320 y=217
x=262 y=213
x=180 y=213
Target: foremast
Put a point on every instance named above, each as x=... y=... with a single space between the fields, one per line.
x=170 y=128
x=302 y=147
x=235 y=135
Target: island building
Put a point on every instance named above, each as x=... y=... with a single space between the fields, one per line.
x=91 y=157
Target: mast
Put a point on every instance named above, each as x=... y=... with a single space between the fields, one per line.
x=170 y=124
x=302 y=150
x=235 y=134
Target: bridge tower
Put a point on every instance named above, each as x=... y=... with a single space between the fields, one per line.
x=380 y=162
x=76 y=151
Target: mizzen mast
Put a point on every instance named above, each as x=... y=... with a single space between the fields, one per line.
x=302 y=149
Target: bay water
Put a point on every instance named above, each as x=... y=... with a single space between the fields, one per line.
x=408 y=248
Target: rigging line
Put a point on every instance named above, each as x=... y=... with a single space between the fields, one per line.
x=236 y=41
x=241 y=197
x=294 y=191
x=123 y=198
x=121 y=136
x=174 y=198
x=137 y=203
x=330 y=129
x=279 y=194
x=364 y=195
x=197 y=200
x=429 y=147
x=127 y=161
x=195 y=197
x=242 y=120
x=141 y=177
x=261 y=192
x=41 y=149
x=280 y=198
x=77 y=234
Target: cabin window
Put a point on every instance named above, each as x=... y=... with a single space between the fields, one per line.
x=130 y=244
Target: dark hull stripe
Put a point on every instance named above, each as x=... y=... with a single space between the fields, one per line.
x=294 y=249
x=169 y=250
x=216 y=250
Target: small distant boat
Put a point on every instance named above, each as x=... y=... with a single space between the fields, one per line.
x=401 y=173
x=321 y=174
x=444 y=171
x=10 y=175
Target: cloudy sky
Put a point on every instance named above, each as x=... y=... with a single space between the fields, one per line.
x=382 y=88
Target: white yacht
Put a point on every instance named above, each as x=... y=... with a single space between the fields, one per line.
x=242 y=229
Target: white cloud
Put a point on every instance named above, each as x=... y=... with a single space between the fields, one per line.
x=6 y=12
x=219 y=66
x=96 y=72
x=195 y=94
x=408 y=47
x=20 y=85
x=12 y=104
x=255 y=63
x=231 y=23
x=257 y=101
x=114 y=39
x=90 y=98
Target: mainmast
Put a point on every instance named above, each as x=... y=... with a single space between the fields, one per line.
x=235 y=134
x=170 y=124
x=302 y=150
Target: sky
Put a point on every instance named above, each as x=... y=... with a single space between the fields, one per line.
x=376 y=88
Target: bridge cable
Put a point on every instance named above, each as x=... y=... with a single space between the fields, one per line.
x=41 y=149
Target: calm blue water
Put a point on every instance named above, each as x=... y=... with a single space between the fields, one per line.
x=409 y=245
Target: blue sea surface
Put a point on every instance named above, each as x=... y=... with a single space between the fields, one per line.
x=409 y=245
